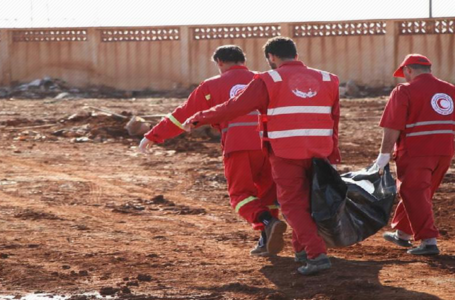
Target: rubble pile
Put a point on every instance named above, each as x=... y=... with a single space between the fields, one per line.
x=351 y=90
x=87 y=126
x=48 y=87
x=80 y=127
x=99 y=127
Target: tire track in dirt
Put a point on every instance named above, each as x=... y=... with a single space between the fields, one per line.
x=99 y=188
x=182 y=237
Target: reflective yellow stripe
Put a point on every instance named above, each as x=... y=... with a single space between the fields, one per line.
x=273 y=207
x=208 y=97
x=175 y=121
x=244 y=202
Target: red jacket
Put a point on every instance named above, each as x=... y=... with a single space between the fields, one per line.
x=423 y=110
x=299 y=115
x=256 y=96
x=238 y=134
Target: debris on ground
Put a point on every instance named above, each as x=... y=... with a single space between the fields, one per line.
x=101 y=125
x=351 y=89
x=137 y=126
x=58 y=89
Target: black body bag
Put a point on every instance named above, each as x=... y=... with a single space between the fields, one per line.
x=349 y=208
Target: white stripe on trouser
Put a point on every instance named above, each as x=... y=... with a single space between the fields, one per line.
x=239 y=124
x=299 y=132
x=299 y=110
x=431 y=132
x=430 y=123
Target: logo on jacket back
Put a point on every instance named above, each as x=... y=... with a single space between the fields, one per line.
x=236 y=90
x=309 y=94
x=442 y=104
x=304 y=86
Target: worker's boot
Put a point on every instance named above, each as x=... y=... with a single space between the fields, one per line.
x=301 y=257
x=316 y=265
x=427 y=247
x=424 y=250
x=394 y=237
x=274 y=231
x=261 y=248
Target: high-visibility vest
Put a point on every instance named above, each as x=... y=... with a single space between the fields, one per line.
x=299 y=123
x=240 y=133
x=430 y=125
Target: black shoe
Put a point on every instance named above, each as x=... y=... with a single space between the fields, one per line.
x=316 y=265
x=393 y=238
x=260 y=249
x=424 y=250
x=274 y=232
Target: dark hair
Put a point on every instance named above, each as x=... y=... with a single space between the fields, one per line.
x=280 y=46
x=423 y=68
x=229 y=53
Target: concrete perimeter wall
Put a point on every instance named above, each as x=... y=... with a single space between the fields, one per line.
x=162 y=58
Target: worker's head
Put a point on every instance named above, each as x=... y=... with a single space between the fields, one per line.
x=227 y=56
x=412 y=66
x=278 y=50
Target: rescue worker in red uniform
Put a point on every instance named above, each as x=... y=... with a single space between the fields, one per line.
x=419 y=121
x=251 y=188
x=299 y=121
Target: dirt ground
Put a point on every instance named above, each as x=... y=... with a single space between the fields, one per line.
x=81 y=211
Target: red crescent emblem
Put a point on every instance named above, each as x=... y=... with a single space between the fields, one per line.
x=440 y=105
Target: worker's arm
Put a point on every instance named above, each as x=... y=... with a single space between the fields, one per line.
x=254 y=97
x=171 y=126
x=393 y=121
x=335 y=157
x=389 y=138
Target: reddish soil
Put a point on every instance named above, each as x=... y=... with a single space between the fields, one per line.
x=82 y=211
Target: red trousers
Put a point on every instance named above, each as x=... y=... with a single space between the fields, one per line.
x=293 y=181
x=250 y=185
x=418 y=179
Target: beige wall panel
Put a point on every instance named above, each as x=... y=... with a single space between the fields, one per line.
x=440 y=49
x=67 y=60
x=360 y=58
x=139 y=65
x=161 y=58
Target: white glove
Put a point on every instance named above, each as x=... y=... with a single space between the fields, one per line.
x=145 y=144
x=382 y=161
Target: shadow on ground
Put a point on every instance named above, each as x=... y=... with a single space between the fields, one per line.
x=348 y=279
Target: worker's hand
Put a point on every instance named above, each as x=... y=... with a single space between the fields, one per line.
x=145 y=145
x=189 y=124
x=382 y=161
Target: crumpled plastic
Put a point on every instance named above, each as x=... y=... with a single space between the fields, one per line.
x=351 y=207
